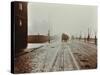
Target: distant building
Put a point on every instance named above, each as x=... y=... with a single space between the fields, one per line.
x=37 y=38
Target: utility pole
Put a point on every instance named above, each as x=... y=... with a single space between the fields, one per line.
x=49 y=36
x=88 y=37
x=80 y=37
x=95 y=39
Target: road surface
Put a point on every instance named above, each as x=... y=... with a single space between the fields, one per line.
x=58 y=56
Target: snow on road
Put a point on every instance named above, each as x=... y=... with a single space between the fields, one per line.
x=57 y=56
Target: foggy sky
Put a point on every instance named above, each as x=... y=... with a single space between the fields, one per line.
x=61 y=18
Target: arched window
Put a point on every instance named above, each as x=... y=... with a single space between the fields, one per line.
x=20 y=6
x=20 y=23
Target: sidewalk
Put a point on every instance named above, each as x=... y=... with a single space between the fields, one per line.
x=30 y=48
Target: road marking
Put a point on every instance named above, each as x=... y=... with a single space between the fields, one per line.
x=74 y=60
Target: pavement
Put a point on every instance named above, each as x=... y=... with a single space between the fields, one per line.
x=31 y=47
x=57 y=56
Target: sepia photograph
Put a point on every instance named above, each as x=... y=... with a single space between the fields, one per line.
x=50 y=37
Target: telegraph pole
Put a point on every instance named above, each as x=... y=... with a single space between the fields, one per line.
x=80 y=37
x=95 y=39
x=88 y=37
x=49 y=36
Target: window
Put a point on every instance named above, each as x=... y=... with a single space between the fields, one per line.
x=20 y=6
x=20 y=23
